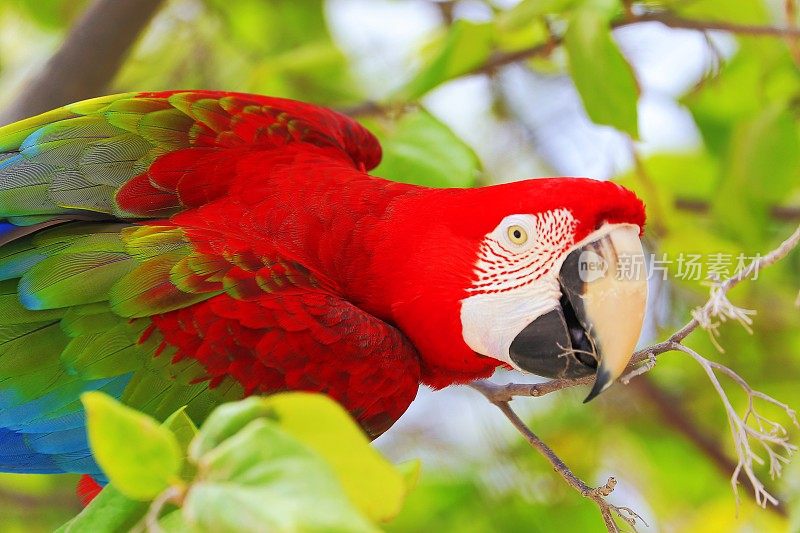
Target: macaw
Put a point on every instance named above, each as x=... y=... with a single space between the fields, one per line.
x=189 y=248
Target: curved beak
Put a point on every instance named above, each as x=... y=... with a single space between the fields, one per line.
x=614 y=303
x=602 y=307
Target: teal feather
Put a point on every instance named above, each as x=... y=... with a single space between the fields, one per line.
x=74 y=297
x=13 y=313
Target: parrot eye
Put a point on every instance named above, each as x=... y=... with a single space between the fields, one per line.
x=517 y=234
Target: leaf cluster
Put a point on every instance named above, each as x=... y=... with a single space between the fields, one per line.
x=288 y=462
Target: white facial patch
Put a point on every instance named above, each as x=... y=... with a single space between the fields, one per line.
x=516 y=279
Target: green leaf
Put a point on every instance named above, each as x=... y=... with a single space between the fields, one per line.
x=224 y=422
x=465 y=46
x=411 y=471
x=276 y=47
x=370 y=482
x=526 y=12
x=373 y=484
x=182 y=427
x=264 y=476
x=52 y=14
x=763 y=68
x=605 y=81
x=741 y=11
x=174 y=521
x=290 y=23
x=524 y=26
x=110 y=511
x=418 y=148
x=184 y=430
x=140 y=457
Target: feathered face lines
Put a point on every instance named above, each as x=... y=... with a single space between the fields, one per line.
x=521 y=250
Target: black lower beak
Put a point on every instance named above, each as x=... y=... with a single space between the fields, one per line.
x=555 y=345
x=594 y=328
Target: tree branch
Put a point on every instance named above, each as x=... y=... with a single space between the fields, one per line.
x=701 y=207
x=501 y=59
x=672 y=21
x=755 y=30
x=28 y=503
x=770 y=435
x=88 y=59
x=597 y=495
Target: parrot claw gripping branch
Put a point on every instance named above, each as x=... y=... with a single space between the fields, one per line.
x=189 y=248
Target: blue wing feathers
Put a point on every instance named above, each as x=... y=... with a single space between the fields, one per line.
x=34 y=440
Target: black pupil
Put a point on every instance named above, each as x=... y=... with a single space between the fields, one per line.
x=517 y=234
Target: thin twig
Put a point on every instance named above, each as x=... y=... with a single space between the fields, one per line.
x=501 y=59
x=597 y=495
x=173 y=494
x=702 y=207
x=771 y=435
x=756 y=30
x=674 y=415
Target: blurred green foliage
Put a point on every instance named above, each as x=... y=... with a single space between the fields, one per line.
x=729 y=195
x=289 y=462
x=602 y=76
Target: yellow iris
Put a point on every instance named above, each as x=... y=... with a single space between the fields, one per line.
x=517 y=234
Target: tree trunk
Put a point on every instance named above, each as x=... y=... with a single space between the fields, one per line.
x=88 y=59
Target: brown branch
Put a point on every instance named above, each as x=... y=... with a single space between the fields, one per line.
x=701 y=207
x=501 y=59
x=597 y=495
x=793 y=42
x=27 y=503
x=755 y=30
x=87 y=60
x=446 y=10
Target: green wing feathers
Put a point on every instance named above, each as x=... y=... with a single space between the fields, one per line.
x=84 y=279
x=75 y=307
x=99 y=283
x=73 y=159
x=150 y=155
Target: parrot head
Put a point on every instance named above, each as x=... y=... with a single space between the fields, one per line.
x=545 y=276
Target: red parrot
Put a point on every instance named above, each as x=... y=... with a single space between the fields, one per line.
x=189 y=248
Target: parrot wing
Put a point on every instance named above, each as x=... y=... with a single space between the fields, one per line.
x=91 y=299
x=151 y=155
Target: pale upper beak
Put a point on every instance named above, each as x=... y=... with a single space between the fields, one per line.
x=598 y=322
